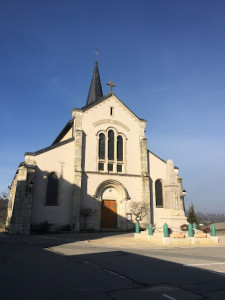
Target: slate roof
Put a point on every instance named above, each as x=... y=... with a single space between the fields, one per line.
x=53 y=146
x=95 y=91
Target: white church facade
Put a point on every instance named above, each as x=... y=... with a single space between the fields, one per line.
x=99 y=161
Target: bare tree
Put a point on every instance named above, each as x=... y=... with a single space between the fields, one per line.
x=4 y=194
x=139 y=210
x=3 y=208
x=85 y=213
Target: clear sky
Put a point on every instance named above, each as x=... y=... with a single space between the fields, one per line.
x=167 y=58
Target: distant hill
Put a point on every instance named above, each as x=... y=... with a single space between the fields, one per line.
x=208 y=218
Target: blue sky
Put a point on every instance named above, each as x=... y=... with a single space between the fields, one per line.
x=166 y=57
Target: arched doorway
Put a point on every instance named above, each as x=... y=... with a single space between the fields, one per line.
x=111 y=198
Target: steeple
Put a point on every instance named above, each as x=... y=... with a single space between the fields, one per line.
x=95 y=91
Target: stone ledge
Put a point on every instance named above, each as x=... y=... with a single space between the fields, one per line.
x=184 y=240
x=200 y=235
x=177 y=235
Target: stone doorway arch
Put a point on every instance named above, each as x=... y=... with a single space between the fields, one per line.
x=112 y=190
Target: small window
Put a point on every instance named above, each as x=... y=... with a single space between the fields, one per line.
x=52 y=190
x=159 y=193
x=110 y=167
x=119 y=168
x=101 y=166
x=111 y=111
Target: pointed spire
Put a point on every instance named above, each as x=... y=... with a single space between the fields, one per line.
x=95 y=91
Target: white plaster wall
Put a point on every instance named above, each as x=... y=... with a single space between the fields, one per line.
x=157 y=171
x=157 y=167
x=130 y=126
x=61 y=161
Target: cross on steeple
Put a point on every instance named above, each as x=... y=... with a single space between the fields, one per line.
x=111 y=84
x=96 y=53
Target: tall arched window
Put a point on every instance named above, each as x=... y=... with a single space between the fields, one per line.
x=52 y=189
x=119 y=148
x=101 y=146
x=110 y=145
x=159 y=193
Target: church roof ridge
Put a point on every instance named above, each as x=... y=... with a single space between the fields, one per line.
x=53 y=146
x=157 y=156
x=95 y=91
x=86 y=107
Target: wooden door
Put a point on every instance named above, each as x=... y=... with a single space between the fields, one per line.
x=109 y=214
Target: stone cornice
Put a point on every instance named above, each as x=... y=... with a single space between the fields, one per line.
x=112 y=174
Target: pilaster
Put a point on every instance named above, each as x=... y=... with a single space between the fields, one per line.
x=145 y=179
x=21 y=201
x=78 y=147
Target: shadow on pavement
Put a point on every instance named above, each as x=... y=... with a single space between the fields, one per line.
x=30 y=269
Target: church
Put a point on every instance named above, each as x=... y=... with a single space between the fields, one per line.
x=99 y=163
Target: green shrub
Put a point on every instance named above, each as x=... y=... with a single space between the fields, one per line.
x=66 y=227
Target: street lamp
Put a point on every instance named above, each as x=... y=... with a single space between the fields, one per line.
x=182 y=197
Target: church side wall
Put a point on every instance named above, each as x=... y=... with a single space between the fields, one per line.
x=61 y=161
x=172 y=211
x=12 y=194
x=157 y=171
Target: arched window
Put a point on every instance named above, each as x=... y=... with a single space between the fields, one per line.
x=119 y=148
x=101 y=146
x=52 y=189
x=110 y=151
x=159 y=193
x=110 y=145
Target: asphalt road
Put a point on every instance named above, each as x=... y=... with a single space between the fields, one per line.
x=68 y=267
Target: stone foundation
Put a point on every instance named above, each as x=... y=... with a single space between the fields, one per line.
x=172 y=240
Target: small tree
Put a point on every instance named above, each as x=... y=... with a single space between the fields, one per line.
x=192 y=218
x=85 y=213
x=139 y=210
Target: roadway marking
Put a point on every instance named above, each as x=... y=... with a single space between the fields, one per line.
x=109 y=271
x=45 y=237
x=196 y=266
x=168 y=297
x=206 y=264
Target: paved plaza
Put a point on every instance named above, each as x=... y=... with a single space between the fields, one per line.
x=108 y=266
